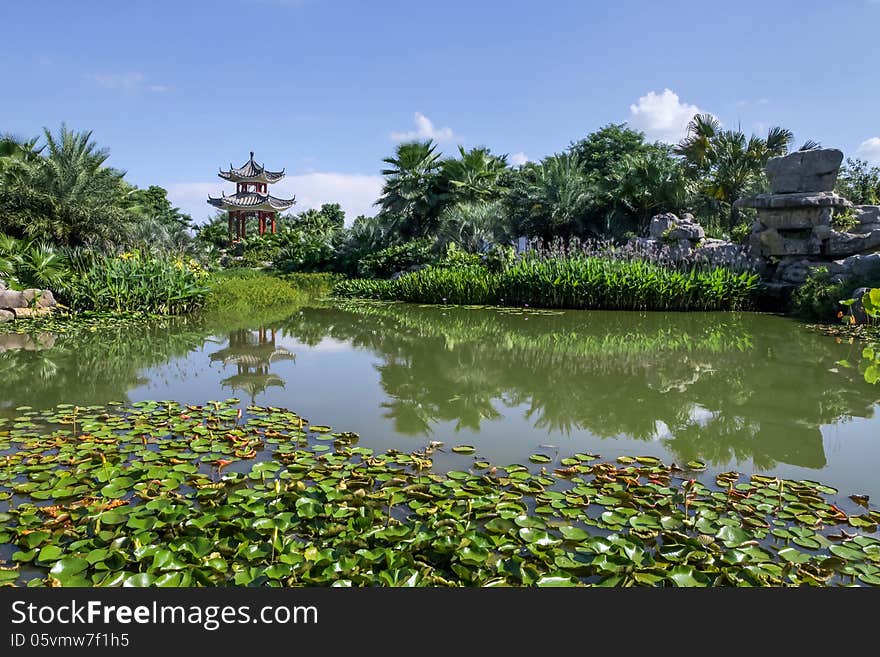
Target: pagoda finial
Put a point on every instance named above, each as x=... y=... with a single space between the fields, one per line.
x=252 y=155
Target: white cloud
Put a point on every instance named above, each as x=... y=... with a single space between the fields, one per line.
x=131 y=82
x=518 y=159
x=662 y=116
x=425 y=129
x=870 y=149
x=356 y=193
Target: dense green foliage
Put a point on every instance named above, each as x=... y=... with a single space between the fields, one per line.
x=819 y=297
x=133 y=282
x=568 y=282
x=145 y=496
x=724 y=165
x=62 y=193
x=246 y=289
x=859 y=182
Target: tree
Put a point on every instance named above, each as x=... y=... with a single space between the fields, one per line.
x=65 y=194
x=413 y=194
x=601 y=150
x=859 y=182
x=551 y=199
x=643 y=184
x=327 y=221
x=724 y=164
x=474 y=226
x=475 y=175
x=153 y=203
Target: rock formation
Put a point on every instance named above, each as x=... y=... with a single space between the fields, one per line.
x=15 y=304
x=802 y=224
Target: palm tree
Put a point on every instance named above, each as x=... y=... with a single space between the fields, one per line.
x=646 y=183
x=551 y=199
x=473 y=226
x=413 y=193
x=66 y=195
x=724 y=164
x=475 y=175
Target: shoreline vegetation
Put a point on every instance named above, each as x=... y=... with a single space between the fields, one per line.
x=567 y=282
x=160 y=494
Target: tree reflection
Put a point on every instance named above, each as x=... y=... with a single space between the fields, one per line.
x=712 y=387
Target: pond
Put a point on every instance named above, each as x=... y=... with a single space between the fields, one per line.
x=745 y=392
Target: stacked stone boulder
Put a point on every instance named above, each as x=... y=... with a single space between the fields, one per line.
x=681 y=237
x=794 y=230
x=21 y=304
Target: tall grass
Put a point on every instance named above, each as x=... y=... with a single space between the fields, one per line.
x=244 y=290
x=570 y=281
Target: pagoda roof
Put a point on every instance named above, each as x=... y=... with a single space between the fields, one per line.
x=250 y=171
x=251 y=201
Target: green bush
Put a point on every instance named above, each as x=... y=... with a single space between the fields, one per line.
x=569 y=282
x=393 y=259
x=248 y=289
x=134 y=282
x=25 y=264
x=819 y=297
x=455 y=257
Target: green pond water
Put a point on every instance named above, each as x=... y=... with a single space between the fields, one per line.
x=745 y=392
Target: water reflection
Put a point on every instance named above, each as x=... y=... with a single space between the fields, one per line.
x=251 y=353
x=709 y=386
x=716 y=387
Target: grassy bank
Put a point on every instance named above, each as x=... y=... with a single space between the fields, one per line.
x=158 y=494
x=568 y=282
x=249 y=289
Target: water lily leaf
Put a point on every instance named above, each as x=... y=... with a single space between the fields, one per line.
x=66 y=569
x=539 y=458
x=555 y=581
x=574 y=533
x=464 y=449
x=733 y=536
x=687 y=576
x=794 y=556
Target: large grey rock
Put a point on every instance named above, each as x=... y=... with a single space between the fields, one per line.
x=670 y=228
x=6 y=316
x=47 y=300
x=12 y=299
x=804 y=171
x=795 y=200
x=660 y=223
x=26 y=313
x=686 y=231
x=797 y=218
x=853 y=268
x=844 y=244
x=793 y=270
x=868 y=214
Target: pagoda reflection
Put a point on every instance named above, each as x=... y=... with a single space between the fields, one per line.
x=252 y=353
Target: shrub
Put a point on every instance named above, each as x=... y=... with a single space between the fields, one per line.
x=455 y=257
x=740 y=233
x=569 y=282
x=395 y=258
x=26 y=264
x=819 y=297
x=251 y=289
x=134 y=282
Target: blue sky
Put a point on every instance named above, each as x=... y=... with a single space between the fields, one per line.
x=326 y=87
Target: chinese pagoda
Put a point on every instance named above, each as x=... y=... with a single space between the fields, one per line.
x=251 y=198
x=252 y=356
